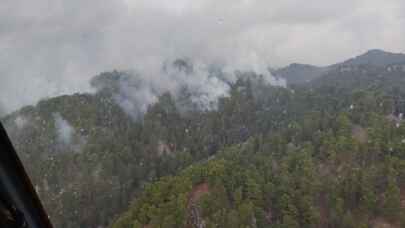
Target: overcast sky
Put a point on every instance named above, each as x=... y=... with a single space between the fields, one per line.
x=52 y=47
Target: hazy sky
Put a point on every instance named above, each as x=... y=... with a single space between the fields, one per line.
x=51 y=47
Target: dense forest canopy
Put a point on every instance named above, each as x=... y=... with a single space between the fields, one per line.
x=326 y=152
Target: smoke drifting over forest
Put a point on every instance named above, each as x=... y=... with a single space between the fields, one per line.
x=195 y=86
x=48 y=48
x=64 y=130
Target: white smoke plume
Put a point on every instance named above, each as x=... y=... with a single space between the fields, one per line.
x=20 y=122
x=64 y=130
x=198 y=84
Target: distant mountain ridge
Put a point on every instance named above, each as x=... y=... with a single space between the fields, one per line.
x=376 y=57
x=297 y=73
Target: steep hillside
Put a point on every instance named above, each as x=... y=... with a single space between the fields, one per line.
x=88 y=156
x=291 y=179
x=337 y=161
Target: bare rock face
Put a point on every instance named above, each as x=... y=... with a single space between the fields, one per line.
x=165 y=148
x=195 y=219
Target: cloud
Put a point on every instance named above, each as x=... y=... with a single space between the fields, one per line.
x=52 y=47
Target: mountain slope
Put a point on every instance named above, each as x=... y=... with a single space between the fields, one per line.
x=326 y=177
x=301 y=73
x=88 y=157
x=377 y=58
x=338 y=162
x=390 y=77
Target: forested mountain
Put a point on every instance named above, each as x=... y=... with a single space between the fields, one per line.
x=344 y=176
x=376 y=57
x=364 y=77
x=303 y=73
x=300 y=73
x=89 y=157
x=338 y=162
x=327 y=153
